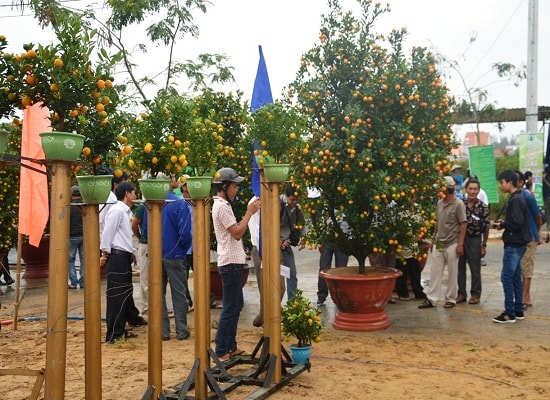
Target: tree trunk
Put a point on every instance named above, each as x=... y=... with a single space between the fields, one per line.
x=361 y=260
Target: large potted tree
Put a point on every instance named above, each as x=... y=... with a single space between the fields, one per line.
x=76 y=86
x=379 y=139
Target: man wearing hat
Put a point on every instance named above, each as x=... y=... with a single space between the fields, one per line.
x=456 y=173
x=449 y=235
x=76 y=244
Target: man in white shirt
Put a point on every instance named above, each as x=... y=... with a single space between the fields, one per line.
x=117 y=255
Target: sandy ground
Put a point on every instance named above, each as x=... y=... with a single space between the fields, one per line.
x=343 y=365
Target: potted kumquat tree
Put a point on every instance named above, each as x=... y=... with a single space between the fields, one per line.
x=379 y=138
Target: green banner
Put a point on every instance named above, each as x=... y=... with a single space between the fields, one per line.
x=482 y=164
x=531 y=147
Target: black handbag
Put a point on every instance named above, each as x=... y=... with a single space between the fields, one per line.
x=294 y=237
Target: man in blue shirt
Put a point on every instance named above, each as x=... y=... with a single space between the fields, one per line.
x=177 y=236
x=535 y=222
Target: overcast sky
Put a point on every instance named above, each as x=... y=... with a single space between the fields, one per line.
x=288 y=28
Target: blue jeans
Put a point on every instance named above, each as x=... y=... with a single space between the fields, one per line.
x=511 y=279
x=76 y=244
x=233 y=302
x=287 y=258
x=175 y=272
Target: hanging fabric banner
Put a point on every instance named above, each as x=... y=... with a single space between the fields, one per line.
x=531 y=155
x=482 y=164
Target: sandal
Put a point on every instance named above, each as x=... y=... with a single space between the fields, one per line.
x=225 y=357
x=130 y=335
x=426 y=304
x=239 y=352
x=404 y=299
x=449 y=304
x=473 y=300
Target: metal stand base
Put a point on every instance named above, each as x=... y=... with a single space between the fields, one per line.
x=221 y=381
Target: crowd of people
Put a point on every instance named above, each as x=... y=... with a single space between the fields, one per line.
x=461 y=232
x=459 y=239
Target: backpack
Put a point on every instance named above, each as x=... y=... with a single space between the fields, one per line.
x=295 y=234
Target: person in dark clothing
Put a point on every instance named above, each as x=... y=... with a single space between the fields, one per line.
x=76 y=242
x=5 y=271
x=515 y=237
x=292 y=222
x=546 y=197
x=475 y=243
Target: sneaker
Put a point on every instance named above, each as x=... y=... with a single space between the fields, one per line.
x=120 y=339
x=140 y=322
x=321 y=302
x=8 y=281
x=520 y=315
x=504 y=319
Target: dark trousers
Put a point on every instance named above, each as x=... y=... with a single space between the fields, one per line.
x=120 y=299
x=472 y=255
x=5 y=269
x=325 y=262
x=411 y=272
x=189 y=266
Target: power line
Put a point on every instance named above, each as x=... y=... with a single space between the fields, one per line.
x=497 y=37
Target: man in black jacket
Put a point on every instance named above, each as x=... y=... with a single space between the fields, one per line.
x=515 y=237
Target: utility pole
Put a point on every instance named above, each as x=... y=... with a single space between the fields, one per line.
x=531 y=110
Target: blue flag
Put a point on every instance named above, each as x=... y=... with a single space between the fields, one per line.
x=261 y=94
x=255 y=181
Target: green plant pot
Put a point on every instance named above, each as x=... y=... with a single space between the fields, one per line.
x=3 y=141
x=95 y=188
x=65 y=146
x=154 y=189
x=300 y=355
x=199 y=186
x=276 y=172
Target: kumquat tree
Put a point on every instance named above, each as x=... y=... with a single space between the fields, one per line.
x=380 y=134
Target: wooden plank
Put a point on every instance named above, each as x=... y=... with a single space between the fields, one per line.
x=499 y=115
x=27 y=372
